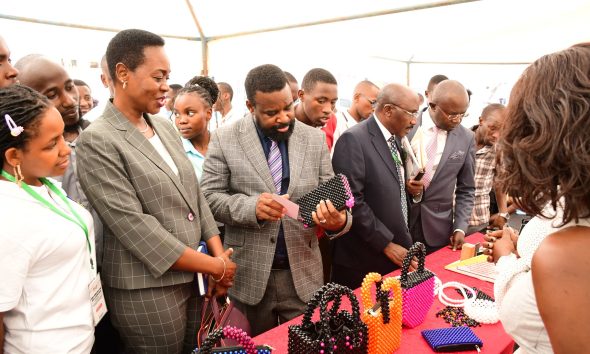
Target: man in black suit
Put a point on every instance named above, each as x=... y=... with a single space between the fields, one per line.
x=370 y=155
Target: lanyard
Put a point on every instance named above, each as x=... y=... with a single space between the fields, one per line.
x=78 y=219
x=394 y=155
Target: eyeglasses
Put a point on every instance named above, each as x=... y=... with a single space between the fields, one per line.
x=449 y=116
x=372 y=102
x=413 y=114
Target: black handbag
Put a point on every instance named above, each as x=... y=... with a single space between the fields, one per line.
x=336 y=331
x=336 y=189
x=246 y=345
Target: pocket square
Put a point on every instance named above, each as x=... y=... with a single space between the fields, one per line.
x=457 y=155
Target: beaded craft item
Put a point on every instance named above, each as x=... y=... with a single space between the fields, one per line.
x=336 y=189
x=246 y=345
x=452 y=339
x=383 y=318
x=417 y=287
x=336 y=331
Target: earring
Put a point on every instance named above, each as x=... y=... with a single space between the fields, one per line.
x=124 y=85
x=18 y=175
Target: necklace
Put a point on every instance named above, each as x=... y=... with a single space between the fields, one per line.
x=147 y=126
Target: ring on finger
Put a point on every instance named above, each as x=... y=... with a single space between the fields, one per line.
x=323 y=221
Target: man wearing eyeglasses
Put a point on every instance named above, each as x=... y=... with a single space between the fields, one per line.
x=370 y=155
x=444 y=150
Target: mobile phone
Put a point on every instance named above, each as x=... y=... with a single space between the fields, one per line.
x=419 y=176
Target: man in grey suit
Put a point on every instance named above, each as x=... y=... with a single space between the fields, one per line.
x=445 y=150
x=269 y=152
x=370 y=155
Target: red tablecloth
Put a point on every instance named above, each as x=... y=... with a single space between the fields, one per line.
x=495 y=339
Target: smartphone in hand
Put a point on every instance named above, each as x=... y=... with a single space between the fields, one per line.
x=419 y=175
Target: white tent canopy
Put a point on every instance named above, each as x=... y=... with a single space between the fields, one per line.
x=485 y=44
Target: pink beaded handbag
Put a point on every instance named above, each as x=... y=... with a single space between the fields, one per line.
x=417 y=288
x=246 y=345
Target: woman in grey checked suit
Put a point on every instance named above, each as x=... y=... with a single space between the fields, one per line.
x=134 y=171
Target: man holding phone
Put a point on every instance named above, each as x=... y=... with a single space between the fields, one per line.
x=371 y=156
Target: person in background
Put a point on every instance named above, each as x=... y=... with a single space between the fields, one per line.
x=226 y=113
x=168 y=110
x=318 y=96
x=105 y=78
x=543 y=285
x=47 y=255
x=8 y=73
x=294 y=86
x=136 y=175
x=192 y=112
x=85 y=95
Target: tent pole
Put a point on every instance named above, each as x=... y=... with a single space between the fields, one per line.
x=204 y=40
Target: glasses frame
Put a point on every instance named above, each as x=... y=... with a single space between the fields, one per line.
x=414 y=115
x=449 y=116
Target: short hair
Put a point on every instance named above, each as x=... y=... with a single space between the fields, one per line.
x=290 y=77
x=317 y=75
x=227 y=88
x=175 y=87
x=264 y=78
x=78 y=82
x=25 y=106
x=492 y=107
x=127 y=47
x=436 y=79
x=203 y=86
x=544 y=146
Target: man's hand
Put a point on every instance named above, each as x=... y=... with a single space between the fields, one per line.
x=397 y=253
x=328 y=217
x=269 y=209
x=457 y=239
x=497 y=221
x=415 y=188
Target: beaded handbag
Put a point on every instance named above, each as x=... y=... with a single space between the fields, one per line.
x=336 y=331
x=215 y=316
x=246 y=345
x=336 y=189
x=417 y=288
x=452 y=339
x=384 y=318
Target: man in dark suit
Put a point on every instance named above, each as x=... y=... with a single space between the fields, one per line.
x=443 y=200
x=370 y=155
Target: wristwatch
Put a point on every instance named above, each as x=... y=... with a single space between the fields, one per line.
x=505 y=216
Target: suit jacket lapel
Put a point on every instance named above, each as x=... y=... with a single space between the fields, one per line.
x=449 y=147
x=380 y=146
x=297 y=147
x=251 y=146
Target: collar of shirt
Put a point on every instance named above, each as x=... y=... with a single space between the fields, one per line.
x=189 y=148
x=384 y=131
x=485 y=150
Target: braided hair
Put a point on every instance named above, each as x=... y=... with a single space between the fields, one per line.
x=25 y=106
x=204 y=86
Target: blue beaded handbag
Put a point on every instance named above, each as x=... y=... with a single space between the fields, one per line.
x=452 y=339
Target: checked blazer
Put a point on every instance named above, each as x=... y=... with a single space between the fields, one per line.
x=235 y=173
x=150 y=214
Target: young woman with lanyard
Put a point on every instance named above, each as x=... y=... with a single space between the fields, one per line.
x=47 y=256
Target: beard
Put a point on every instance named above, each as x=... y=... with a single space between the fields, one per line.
x=274 y=134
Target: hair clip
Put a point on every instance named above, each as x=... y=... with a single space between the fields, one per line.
x=15 y=130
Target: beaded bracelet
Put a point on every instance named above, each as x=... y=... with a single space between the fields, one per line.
x=447 y=301
x=223 y=274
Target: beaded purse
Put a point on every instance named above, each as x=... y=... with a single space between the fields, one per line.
x=417 y=287
x=215 y=316
x=336 y=189
x=336 y=331
x=452 y=339
x=384 y=318
x=246 y=345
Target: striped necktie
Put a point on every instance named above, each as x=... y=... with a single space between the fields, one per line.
x=431 y=156
x=275 y=164
x=400 y=174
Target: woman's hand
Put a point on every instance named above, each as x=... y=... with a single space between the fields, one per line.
x=500 y=243
x=220 y=282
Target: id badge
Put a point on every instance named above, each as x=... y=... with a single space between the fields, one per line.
x=99 y=305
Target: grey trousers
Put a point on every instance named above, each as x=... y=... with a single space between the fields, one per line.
x=156 y=320
x=279 y=304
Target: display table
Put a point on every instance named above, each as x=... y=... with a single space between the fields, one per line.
x=495 y=339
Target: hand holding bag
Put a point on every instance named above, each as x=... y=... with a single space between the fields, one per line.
x=245 y=343
x=417 y=287
x=336 y=331
x=214 y=316
x=336 y=189
x=383 y=319
x=452 y=339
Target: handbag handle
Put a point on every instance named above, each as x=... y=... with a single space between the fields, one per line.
x=383 y=287
x=417 y=250
x=228 y=332
x=329 y=292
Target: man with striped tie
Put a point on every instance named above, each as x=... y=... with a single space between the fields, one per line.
x=270 y=153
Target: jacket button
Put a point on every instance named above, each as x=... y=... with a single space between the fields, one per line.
x=272 y=240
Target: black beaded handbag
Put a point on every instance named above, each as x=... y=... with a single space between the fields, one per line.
x=336 y=331
x=336 y=189
x=246 y=345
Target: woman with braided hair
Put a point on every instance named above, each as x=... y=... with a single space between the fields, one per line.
x=47 y=257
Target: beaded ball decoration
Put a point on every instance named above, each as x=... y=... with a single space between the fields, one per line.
x=336 y=189
x=246 y=344
x=417 y=287
x=336 y=331
x=385 y=319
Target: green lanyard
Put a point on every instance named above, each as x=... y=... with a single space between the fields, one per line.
x=78 y=219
